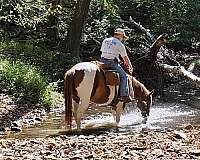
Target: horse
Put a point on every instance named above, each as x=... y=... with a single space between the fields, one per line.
x=85 y=82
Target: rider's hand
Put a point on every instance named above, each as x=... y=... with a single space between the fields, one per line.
x=130 y=70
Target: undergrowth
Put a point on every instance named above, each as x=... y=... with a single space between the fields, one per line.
x=26 y=83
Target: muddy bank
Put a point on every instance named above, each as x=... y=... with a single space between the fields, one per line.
x=17 y=116
x=14 y=116
x=182 y=144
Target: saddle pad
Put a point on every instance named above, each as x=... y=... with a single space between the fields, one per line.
x=112 y=77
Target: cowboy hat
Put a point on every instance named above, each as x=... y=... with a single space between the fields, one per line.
x=121 y=31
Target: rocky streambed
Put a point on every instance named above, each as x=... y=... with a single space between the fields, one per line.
x=174 y=144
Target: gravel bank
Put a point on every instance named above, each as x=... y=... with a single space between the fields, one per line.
x=182 y=144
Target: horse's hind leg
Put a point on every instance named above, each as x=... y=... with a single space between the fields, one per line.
x=76 y=105
x=84 y=91
x=79 y=110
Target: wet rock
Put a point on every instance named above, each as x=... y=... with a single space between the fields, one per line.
x=180 y=135
x=158 y=152
x=16 y=124
x=34 y=141
x=49 y=158
x=195 y=152
x=52 y=146
x=16 y=129
x=45 y=153
x=2 y=129
x=76 y=157
x=189 y=127
x=38 y=119
x=31 y=121
x=89 y=156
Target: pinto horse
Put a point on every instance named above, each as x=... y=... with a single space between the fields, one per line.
x=85 y=82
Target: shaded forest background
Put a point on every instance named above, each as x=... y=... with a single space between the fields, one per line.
x=47 y=37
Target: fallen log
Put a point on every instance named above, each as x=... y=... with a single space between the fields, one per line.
x=181 y=71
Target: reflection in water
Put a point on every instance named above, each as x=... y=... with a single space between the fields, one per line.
x=162 y=115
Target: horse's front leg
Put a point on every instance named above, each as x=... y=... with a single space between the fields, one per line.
x=118 y=111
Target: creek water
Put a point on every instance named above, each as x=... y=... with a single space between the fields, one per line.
x=162 y=116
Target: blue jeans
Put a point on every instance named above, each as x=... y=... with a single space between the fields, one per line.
x=124 y=88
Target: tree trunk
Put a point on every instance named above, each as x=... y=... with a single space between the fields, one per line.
x=52 y=24
x=76 y=27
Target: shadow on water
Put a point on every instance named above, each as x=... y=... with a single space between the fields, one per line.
x=88 y=131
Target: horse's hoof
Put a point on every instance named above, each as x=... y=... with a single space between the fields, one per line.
x=144 y=121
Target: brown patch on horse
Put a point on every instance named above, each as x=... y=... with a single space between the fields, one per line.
x=112 y=77
x=100 y=92
x=78 y=78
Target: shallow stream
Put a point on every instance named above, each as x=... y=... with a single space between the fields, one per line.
x=162 y=116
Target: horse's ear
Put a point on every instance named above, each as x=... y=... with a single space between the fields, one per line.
x=151 y=92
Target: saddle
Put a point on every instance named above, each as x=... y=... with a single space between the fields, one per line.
x=111 y=76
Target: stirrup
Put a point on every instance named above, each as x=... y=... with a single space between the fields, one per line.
x=125 y=99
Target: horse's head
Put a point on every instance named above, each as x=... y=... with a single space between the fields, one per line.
x=145 y=103
x=142 y=96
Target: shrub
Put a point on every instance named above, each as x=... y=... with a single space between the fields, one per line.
x=28 y=52
x=50 y=96
x=25 y=82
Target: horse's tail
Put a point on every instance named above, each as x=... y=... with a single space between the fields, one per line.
x=68 y=84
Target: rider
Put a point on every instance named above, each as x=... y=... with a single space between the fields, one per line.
x=111 y=49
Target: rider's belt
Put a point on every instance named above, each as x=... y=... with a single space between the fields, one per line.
x=106 y=58
x=114 y=60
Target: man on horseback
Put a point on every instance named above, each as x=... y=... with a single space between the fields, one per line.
x=112 y=48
